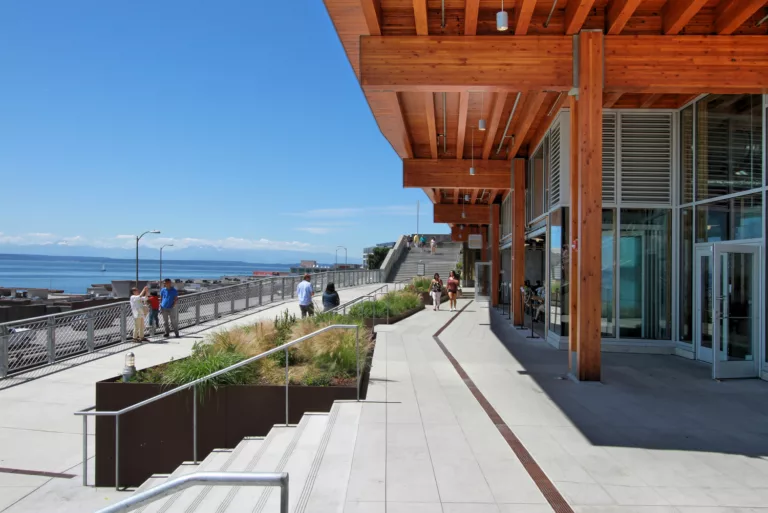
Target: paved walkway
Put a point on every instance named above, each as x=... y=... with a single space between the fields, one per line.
x=39 y=433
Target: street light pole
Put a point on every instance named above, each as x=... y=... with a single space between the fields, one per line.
x=138 y=238
x=160 y=281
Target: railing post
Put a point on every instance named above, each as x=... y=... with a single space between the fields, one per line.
x=194 y=424
x=271 y=290
x=357 y=352
x=89 y=341
x=85 y=450
x=51 y=339
x=293 y=287
x=247 y=296
x=282 y=287
x=123 y=323
x=4 y=343
x=286 y=387
x=117 y=452
x=284 y=495
x=261 y=292
x=216 y=304
x=197 y=309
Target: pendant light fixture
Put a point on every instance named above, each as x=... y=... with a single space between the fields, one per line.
x=472 y=168
x=502 y=19
x=481 y=123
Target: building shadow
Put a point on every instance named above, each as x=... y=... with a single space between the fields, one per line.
x=658 y=402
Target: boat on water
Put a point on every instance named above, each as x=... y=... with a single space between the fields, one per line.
x=103 y=267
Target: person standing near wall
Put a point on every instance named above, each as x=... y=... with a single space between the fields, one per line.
x=168 y=298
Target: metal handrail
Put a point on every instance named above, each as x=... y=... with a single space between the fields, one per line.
x=346 y=305
x=89 y=412
x=208 y=478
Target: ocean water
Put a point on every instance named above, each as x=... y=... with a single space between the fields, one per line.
x=75 y=274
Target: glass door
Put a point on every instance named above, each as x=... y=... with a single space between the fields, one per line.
x=703 y=327
x=735 y=310
x=483 y=281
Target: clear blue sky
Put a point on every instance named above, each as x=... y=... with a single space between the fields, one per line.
x=235 y=119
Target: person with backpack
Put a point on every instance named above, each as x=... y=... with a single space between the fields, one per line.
x=436 y=290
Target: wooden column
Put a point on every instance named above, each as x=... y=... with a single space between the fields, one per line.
x=590 y=123
x=495 y=254
x=484 y=251
x=518 y=238
x=573 y=254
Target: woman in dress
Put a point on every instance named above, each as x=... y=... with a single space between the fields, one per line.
x=453 y=290
x=436 y=290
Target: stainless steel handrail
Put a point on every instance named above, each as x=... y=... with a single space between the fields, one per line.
x=89 y=412
x=344 y=306
x=207 y=478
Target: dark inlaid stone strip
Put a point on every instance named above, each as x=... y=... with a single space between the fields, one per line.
x=39 y=473
x=547 y=488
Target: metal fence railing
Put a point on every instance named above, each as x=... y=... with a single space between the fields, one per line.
x=33 y=343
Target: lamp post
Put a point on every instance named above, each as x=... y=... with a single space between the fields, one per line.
x=138 y=238
x=160 y=281
x=337 y=255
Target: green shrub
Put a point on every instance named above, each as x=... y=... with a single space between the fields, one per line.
x=421 y=284
x=394 y=303
x=207 y=359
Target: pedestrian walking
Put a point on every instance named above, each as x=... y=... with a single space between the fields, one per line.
x=433 y=246
x=139 y=311
x=422 y=242
x=436 y=290
x=453 y=290
x=169 y=296
x=305 y=292
x=330 y=297
x=154 y=312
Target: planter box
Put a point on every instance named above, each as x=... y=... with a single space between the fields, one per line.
x=369 y=323
x=157 y=438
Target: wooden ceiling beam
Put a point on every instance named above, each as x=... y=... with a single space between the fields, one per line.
x=523 y=15
x=618 y=14
x=473 y=196
x=474 y=214
x=492 y=195
x=372 y=13
x=456 y=196
x=421 y=18
x=388 y=112
x=546 y=122
x=471 y=13
x=649 y=100
x=452 y=174
x=490 y=135
x=458 y=63
x=462 y=127
x=527 y=116
x=610 y=99
x=676 y=14
x=430 y=194
x=686 y=99
x=576 y=12
x=429 y=107
x=686 y=64
x=731 y=14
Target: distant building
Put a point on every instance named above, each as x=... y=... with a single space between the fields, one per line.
x=308 y=263
x=369 y=250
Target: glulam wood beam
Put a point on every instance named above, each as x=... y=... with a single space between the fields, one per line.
x=649 y=100
x=460 y=232
x=473 y=196
x=461 y=63
x=492 y=195
x=686 y=64
x=610 y=99
x=573 y=235
x=450 y=173
x=590 y=148
x=495 y=254
x=429 y=111
x=372 y=13
x=527 y=116
x=676 y=14
x=731 y=14
x=494 y=122
x=388 y=112
x=618 y=14
x=576 y=12
x=421 y=18
x=431 y=194
x=523 y=15
x=471 y=13
x=518 y=238
x=461 y=131
x=473 y=214
x=546 y=122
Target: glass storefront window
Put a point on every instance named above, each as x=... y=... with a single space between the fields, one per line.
x=608 y=256
x=686 y=155
x=645 y=270
x=686 y=297
x=729 y=145
x=538 y=183
x=558 y=262
x=732 y=219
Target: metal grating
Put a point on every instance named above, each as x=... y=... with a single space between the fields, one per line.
x=609 y=158
x=554 y=168
x=646 y=158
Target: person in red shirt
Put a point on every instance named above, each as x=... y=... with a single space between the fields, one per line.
x=154 y=311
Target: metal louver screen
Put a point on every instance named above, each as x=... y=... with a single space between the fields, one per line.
x=646 y=158
x=609 y=158
x=554 y=181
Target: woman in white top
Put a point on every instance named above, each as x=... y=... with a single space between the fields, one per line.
x=139 y=311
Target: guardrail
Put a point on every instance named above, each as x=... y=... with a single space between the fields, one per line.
x=207 y=478
x=41 y=341
x=91 y=412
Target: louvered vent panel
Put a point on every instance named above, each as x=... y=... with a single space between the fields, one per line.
x=554 y=180
x=646 y=158
x=609 y=158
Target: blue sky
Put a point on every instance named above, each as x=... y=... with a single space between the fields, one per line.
x=236 y=124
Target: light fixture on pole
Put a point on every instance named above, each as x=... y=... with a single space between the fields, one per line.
x=138 y=238
x=160 y=281
x=481 y=123
x=472 y=168
x=130 y=367
x=502 y=19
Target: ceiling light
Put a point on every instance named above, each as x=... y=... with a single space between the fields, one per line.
x=481 y=123
x=472 y=167
x=472 y=170
x=463 y=215
x=502 y=19
x=461 y=227
x=466 y=197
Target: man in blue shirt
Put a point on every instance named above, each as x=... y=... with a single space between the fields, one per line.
x=304 y=292
x=169 y=296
